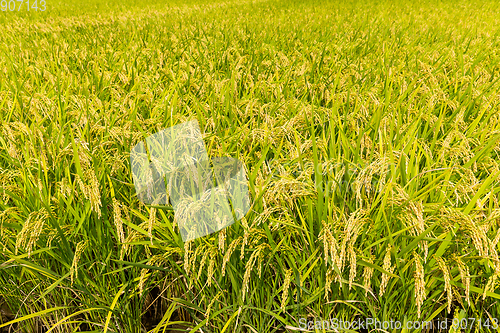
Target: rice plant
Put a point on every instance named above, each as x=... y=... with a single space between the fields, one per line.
x=370 y=131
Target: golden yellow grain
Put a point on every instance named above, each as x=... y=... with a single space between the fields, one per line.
x=118 y=164
x=416 y=214
x=365 y=178
x=388 y=267
x=286 y=286
x=132 y=237
x=398 y=196
x=330 y=276
x=211 y=266
x=288 y=189
x=229 y=252
x=366 y=144
x=280 y=210
x=246 y=277
x=211 y=304
x=329 y=245
x=206 y=253
x=470 y=224
x=91 y=192
x=31 y=230
x=260 y=261
x=11 y=135
x=222 y=239
x=151 y=223
x=142 y=279
x=249 y=266
x=352 y=229
x=118 y=220
x=352 y=264
x=367 y=276
x=80 y=247
x=64 y=188
x=464 y=276
x=419 y=277
x=187 y=254
x=244 y=242
x=51 y=236
x=447 y=279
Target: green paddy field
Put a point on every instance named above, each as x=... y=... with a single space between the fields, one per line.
x=370 y=132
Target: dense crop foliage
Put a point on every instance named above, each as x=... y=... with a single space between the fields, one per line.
x=370 y=131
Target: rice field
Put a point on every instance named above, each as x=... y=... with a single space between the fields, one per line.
x=370 y=133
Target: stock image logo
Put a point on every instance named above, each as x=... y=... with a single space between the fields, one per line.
x=173 y=167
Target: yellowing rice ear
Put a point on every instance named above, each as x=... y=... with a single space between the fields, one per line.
x=80 y=247
x=229 y=252
x=464 y=276
x=367 y=275
x=352 y=264
x=447 y=279
x=286 y=286
x=387 y=267
x=419 y=276
x=31 y=230
x=117 y=218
